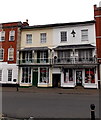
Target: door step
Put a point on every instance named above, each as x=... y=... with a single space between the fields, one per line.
x=79 y=87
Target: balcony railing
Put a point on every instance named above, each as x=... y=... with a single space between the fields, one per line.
x=74 y=60
x=34 y=61
x=69 y=60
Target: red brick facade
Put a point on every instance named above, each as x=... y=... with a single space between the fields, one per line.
x=97 y=15
x=6 y=44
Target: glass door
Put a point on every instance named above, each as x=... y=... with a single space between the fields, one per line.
x=79 y=78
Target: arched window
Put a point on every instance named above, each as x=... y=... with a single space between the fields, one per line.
x=2 y=36
x=11 y=54
x=1 y=54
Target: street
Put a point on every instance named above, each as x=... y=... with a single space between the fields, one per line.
x=48 y=105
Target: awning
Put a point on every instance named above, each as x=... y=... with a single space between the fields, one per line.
x=34 y=48
x=81 y=46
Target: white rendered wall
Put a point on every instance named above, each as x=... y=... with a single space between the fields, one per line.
x=5 y=67
x=77 y=39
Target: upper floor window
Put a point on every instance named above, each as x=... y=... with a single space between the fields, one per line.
x=29 y=38
x=84 y=35
x=63 y=36
x=43 y=37
x=11 y=54
x=11 y=35
x=1 y=54
x=2 y=36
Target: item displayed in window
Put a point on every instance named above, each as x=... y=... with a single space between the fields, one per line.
x=68 y=75
x=44 y=75
x=26 y=75
x=89 y=76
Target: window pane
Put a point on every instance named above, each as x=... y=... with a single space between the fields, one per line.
x=1 y=54
x=63 y=36
x=68 y=75
x=26 y=75
x=84 y=35
x=9 y=75
x=2 y=35
x=43 y=37
x=44 y=75
x=29 y=38
x=11 y=54
x=0 y=75
x=89 y=76
x=12 y=35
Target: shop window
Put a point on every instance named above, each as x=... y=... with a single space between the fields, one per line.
x=68 y=76
x=44 y=75
x=26 y=75
x=89 y=76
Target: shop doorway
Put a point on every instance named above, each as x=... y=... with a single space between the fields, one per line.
x=79 y=78
x=35 y=77
x=56 y=80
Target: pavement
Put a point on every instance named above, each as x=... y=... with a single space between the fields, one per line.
x=78 y=90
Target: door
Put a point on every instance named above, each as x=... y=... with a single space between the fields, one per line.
x=56 y=80
x=35 y=77
x=79 y=78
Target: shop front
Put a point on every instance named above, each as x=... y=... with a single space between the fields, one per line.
x=35 y=76
x=85 y=77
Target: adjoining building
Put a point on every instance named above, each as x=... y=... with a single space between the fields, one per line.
x=97 y=15
x=9 y=43
x=58 y=55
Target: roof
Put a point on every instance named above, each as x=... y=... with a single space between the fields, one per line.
x=81 y=46
x=34 y=48
x=58 y=25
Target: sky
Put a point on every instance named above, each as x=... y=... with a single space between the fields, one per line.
x=39 y=12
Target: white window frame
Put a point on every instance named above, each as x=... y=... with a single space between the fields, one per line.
x=10 y=75
x=63 y=36
x=43 y=56
x=29 y=38
x=12 y=35
x=0 y=75
x=43 y=37
x=2 y=54
x=2 y=35
x=84 y=35
x=26 y=74
x=10 y=55
x=44 y=79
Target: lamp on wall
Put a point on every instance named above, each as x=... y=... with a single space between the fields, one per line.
x=73 y=33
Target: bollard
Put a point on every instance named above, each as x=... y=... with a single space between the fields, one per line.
x=92 y=106
x=17 y=87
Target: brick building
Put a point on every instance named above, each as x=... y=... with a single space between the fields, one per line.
x=97 y=16
x=9 y=43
